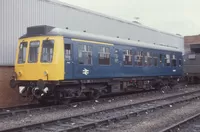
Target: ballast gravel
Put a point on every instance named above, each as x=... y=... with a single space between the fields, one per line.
x=139 y=107
x=192 y=126
x=157 y=120
x=46 y=115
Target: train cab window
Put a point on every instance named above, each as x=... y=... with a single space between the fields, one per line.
x=104 y=56
x=22 y=52
x=167 y=60
x=180 y=62
x=33 y=51
x=173 y=60
x=138 y=58
x=47 y=51
x=85 y=54
x=127 y=57
x=67 y=52
x=147 y=59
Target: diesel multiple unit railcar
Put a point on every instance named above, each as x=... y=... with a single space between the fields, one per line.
x=55 y=64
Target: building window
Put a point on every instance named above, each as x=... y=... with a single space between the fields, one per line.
x=127 y=57
x=173 y=60
x=138 y=58
x=33 y=51
x=22 y=52
x=147 y=59
x=155 y=60
x=85 y=54
x=104 y=56
x=67 y=52
x=47 y=51
x=167 y=60
x=116 y=55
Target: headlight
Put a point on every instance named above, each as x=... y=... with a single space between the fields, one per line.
x=20 y=73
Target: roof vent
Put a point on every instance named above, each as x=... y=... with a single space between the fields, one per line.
x=39 y=30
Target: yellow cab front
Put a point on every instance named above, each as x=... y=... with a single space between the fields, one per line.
x=40 y=58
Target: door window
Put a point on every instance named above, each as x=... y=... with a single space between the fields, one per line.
x=116 y=55
x=67 y=52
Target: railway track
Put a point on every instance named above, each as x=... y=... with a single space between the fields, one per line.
x=179 y=126
x=26 y=109
x=93 y=120
x=10 y=111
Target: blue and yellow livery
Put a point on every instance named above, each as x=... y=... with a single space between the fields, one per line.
x=55 y=64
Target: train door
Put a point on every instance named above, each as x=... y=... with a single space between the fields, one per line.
x=117 y=63
x=138 y=60
x=68 y=59
x=174 y=63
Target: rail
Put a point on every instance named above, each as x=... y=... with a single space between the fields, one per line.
x=86 y=121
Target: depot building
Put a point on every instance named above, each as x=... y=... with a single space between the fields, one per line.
x=17 y=15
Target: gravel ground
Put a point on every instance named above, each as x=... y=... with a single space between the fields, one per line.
x=137 y=108
x=155 y=121
x=192 y=126
x=42 y=116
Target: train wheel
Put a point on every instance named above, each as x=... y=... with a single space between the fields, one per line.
x=95 y=94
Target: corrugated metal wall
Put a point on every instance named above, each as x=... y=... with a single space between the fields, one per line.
x=17 y=15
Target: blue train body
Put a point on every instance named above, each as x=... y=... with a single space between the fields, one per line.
x=118 y=69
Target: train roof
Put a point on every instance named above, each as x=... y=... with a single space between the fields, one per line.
x=44 y=30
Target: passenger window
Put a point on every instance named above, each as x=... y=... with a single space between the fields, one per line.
x=173 y=60
x=116 y=55
x=104 y=56
x=138 y=58
x=167 y=60
x=180 y=62
x=47 y=51
x=22 y=52
x=33 y=51
x=127 y=57
x=155 y=60
x=67 y=52
x=85 y=54
x=147 y=59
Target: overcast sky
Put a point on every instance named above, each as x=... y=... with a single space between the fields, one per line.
x=174 y=16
